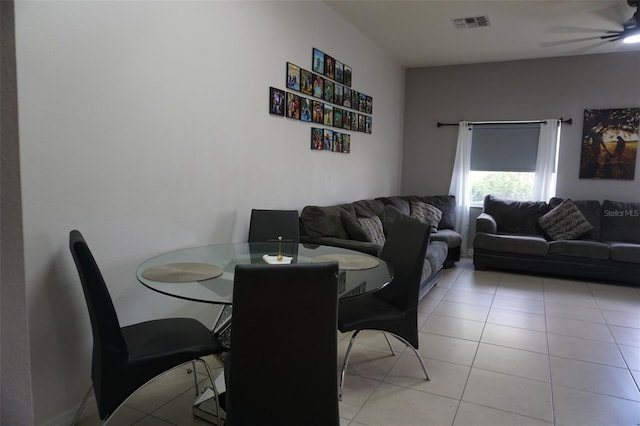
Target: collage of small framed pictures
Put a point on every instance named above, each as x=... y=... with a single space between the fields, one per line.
x=324 y=96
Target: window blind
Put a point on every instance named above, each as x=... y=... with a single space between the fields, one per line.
x=505 y=147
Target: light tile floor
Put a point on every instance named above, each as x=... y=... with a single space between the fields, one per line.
x=501 y=349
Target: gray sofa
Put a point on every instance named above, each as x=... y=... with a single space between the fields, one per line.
x=509 y=236
x=337 y=226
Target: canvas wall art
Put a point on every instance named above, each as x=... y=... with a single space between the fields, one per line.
x=609 y=143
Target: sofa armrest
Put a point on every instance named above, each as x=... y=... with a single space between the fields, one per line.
x=361 y=246
x=486 y=223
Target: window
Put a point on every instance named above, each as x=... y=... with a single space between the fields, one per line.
x=503 y=161
x=511 y=160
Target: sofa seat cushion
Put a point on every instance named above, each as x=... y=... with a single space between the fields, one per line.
x=625 y=252
x=564 y=222
x=620 y=221
x=522 y=244
x=516 y=217
x=451 y=238
x=325 y=221
x=580 y=248
x=437 y=252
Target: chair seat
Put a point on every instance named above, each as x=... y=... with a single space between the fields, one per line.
x=368 y=311
x=180 y=339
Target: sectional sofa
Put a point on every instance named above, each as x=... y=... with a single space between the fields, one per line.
x=344 y=226
x=574 y=238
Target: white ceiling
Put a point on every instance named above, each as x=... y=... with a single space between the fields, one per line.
x=420 y=33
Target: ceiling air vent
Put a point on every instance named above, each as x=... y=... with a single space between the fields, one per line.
x=473 y=22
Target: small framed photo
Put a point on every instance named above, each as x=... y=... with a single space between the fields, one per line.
x=317 y=136
x=361 y=122
x=337 y=117
x=318 y=86
x=346 y=119
x=354 y=121
x=362 y=102
x=305 y=109
x=276 y=101
x=327 y=139
x=346 y=143
x=293 y=106
x=318 y=112
x=338 y=94
x=293 y=77
x=318 y=61
x=328 y=91
x=346 y=97
x=368 y=124
x=369 y=105
x=339 y=72
x=336 y=146
x=346 y=75
x=329 y=67
x=328 y=115
x=306 y=82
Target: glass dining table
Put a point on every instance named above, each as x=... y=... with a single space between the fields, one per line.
x=359 y=273
x=205 y=274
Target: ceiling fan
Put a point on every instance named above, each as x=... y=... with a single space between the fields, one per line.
x=630 y=32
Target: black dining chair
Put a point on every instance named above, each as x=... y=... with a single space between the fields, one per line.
x=268 y=225
x=274 y=379
x=126 y=358
x=265 y=226
x=392 y=309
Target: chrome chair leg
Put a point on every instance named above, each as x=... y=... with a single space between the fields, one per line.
x=346 y=361
x=195 y=378
x=82 y=404
x=424 y=368
x=213 y=387
x=389 y=343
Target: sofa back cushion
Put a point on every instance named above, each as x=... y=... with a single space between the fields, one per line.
x=326 y=221
x=368 y=208
x=591 y=211
x=445 y=203
x=620 y=221
x=516 y=217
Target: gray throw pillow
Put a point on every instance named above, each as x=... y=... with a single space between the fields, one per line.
x=353 y=228
x=564 y=222
x=426 y=213
x=372 y=226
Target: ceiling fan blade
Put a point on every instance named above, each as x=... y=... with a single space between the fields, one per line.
x=615 y=35
x=570 y=41
x=574 y=30
x=585 y=49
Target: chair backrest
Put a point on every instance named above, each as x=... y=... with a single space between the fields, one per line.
x=405 y=249
x=267 y=225
x=282 y=365
x=108 y=342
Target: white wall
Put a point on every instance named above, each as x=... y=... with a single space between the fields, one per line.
x=145 y=126
x=518 y=90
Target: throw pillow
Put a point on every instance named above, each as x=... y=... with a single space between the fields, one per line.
x=372 y=226
x=426 y=213
x=564 y=222
x=353 y=228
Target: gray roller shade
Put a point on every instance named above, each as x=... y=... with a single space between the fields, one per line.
x=505 y=147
